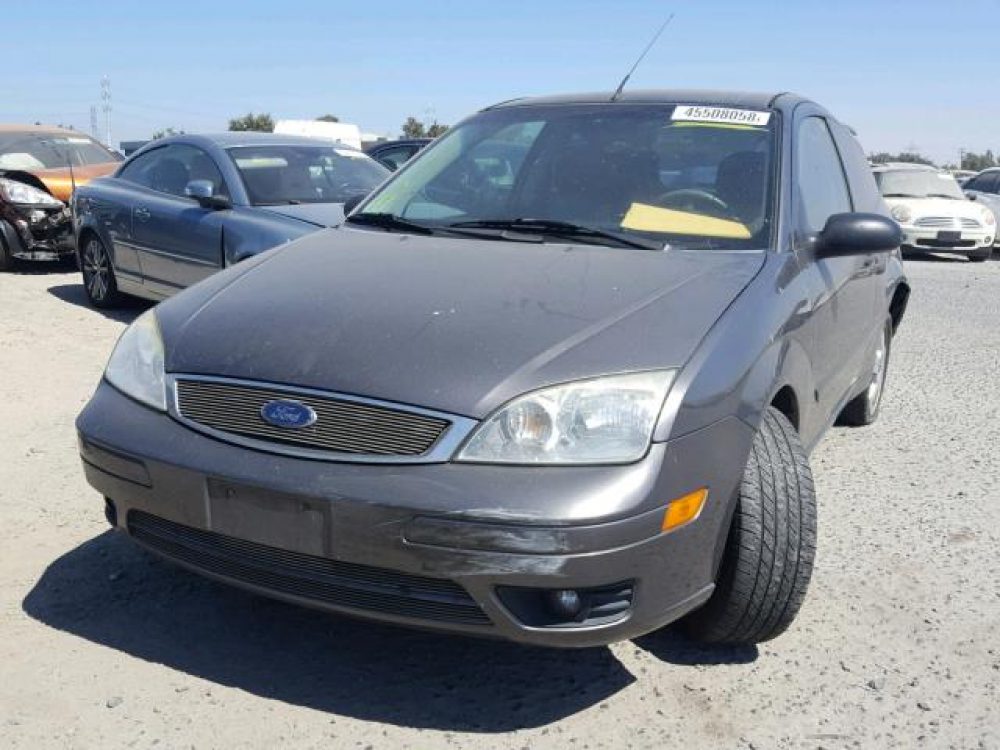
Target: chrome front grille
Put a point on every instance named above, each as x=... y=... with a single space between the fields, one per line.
x=939 y=222
x=344 y=426
x=970 y=223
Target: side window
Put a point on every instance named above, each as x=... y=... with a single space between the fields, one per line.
x=394 y=158
x=864 y=191
x=822 y=188
x=991 y=182
x=169 y=169
x=138 y=171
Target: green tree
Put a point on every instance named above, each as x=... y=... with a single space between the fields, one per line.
x=414 y=128
x=328 y=118
x=435 y=129
x=262 y=123
x=166 y=132
x=908 y=157
x=978 y=162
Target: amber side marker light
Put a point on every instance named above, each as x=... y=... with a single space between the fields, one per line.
x=684 y=509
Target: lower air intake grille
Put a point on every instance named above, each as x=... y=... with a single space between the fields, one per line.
x=324 y=581
x=340 y=426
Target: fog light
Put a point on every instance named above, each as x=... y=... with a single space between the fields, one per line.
x=565 y=603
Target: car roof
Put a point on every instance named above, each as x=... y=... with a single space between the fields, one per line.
x=748 y=99
x=41 y=129
x=246 y=138
x=897 y=166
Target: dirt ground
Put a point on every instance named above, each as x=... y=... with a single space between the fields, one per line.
x=898 y=644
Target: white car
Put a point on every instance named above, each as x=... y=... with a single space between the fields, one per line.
x=934 y=213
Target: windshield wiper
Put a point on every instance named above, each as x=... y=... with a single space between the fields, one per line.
x=389 y=221
x=901 y=195
x=286 y=202
x=949 y=196
x=557 y=229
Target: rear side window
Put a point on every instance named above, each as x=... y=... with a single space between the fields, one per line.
x=984 y=183
x=864 y=190
x=394 y=158
x=169 y=169
x=819 y=174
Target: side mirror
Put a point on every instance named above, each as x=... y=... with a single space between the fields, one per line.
x=203 y=191
x=352 y=203
x=857 y=234
x=970 y=196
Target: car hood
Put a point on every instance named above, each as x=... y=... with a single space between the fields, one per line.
x=60 y=182
x=320 y=214
x=451 y=324
x=921 y=207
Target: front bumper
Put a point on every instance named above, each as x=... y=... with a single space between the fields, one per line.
x=37 y=232
x=455 y=547
x=931 y=239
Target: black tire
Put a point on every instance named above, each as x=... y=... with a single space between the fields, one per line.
x=981 y=256
x=864 y=408
x=771 y=545
x=6 y=259
x=98 y=273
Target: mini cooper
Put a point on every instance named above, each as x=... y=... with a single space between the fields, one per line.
x=556 y=381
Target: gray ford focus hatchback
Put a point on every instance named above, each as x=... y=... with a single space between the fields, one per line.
x=556 y=381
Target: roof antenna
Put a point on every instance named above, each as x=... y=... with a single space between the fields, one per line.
x=618 y=91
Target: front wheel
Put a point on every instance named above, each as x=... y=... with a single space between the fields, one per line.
x=980 y=256
x=99 y=275
x=769 y=552
x=863 y=409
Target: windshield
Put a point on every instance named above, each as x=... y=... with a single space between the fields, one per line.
x=275 y=175
x=684 y=175
x=30 y=151
x=918 y=183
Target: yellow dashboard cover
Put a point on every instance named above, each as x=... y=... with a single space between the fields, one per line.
x=645 y=218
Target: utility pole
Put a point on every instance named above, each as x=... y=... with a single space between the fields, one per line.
x=93 y=120
x=106 y=106
x=961 y=158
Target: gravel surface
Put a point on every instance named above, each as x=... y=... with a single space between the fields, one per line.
x=898 y=644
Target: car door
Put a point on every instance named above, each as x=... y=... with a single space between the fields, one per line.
x=845 y=290
x=179 y=241
x=985 y=188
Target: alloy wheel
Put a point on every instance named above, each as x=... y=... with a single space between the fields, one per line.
x=874 y=393
x=96 y=270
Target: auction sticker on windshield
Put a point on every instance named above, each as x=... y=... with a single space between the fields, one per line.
x=720 y=114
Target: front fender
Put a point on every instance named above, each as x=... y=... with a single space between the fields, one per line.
x=756 y=348
x=249 y=232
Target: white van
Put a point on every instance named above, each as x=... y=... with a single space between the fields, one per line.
x=339 y=132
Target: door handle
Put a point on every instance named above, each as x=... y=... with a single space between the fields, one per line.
x=142 y=213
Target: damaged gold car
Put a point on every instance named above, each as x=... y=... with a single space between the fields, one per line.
x=39 y=168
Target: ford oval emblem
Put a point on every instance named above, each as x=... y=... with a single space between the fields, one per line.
x=288 y=414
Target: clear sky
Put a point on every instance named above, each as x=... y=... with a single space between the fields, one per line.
x=903 y=74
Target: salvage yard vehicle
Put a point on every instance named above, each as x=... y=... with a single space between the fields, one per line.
x=985 y=188
x=934 y=213
x=394 y=154
x=183 y=207
x=563 y=393
x=39 y=167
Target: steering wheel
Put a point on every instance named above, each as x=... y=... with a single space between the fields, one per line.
x=678 y=197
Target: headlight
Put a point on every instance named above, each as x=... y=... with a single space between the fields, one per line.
x=988 y=217
x=136 y=364
x=18 y=192
x=902 y=214
x=601 y=421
